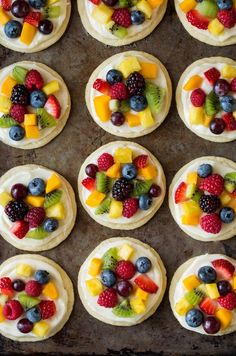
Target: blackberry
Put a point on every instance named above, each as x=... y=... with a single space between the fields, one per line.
x=135 y=83
x=16 y=210
x=121 y=189
x=209 y=203
x=20 y=95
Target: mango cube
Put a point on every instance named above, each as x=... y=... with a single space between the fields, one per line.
x=182 y=306
x=4 y=17
x=137 y=305
x=129 y=65
x=102 y=13
x=155 y=3
x=196 y=115
x=5 y=198
x=41 y=328
x=125 y=252
x=53 y=183
x=101 y=105
x=35 y=201
x=228 y=71
x=191 y=208
x=50 y=290
x=2 y=318
x=27 y=34
x=146 y=118
x=145 y=7
x=191 y=282
x=51 y=87
x=32 y=132
x=94 y=286
x=192 y=178
x=207 y=120
x=123 y=155
x=225 y=198
x=116 y=209
x=148 y=70
x=193 y=83
x=149 y=172
x=190 y=220
x=212 y=290
x=95 y=267
x=225 y=317
x=114 y=171
x=24 y=270
x=132 y=120
x=5 y=104
x=139 y=293
x=187 y=5
x=8 y=85
x=95 y=199
x=232 y=204
x=216 y=27
x=234 y=283
x=56 y=211
x=30 y=120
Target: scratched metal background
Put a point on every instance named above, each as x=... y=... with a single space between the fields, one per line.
x=74 y=57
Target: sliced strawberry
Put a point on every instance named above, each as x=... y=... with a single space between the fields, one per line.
x=95 y=2
x=33 y=18
x=141 y=161
x=208 y=306
x=146 y=284
x=6 y=4
x=20 y=229
x=224 y=268
x=180 y=193
x=230 y=123
x=89 y=183
x=102 y=86
x=212 y=75
x=6 y=286
x=53 y=106
x=197 y=20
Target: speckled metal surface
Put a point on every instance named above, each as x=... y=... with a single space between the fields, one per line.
x=75 y=56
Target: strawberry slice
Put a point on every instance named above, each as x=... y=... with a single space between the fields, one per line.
x=224 y=268
x=6 y=4
x=53 y=106
x=146 y=284
x=20 y=229
x=230 y=123
x=102 y=86
x=212 y=75
x=95 y=2
x=180 y=193
x=89 y=183
x=208 y=306
x=33 y=18
x=141 y=161
x=6 y=286
x=197 y=20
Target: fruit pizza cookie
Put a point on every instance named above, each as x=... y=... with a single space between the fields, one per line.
x=206 y=98
x=121 y=185
x=122 y=282
x=120 y=22
x=34 y=105
x=202 y=198
x=36 y=298
x=203 y=294
x=129 y=94
x=37 y=208
x=33 y=25
x=209 y=21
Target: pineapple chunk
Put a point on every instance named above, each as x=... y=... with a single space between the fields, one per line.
x=228 y=71
x=196 y=115
x=101 y=105
x=56 y=211
x=146 y=118
x=102 y=13
x=2 y=318
x=149 y=172
x=137 y=305
x=193 y=83
x=187 y=5
x=50 y=290
x=114 y=171
x=8 y=85
x=182 y=306
x=94 y=286
x=30 y=120
x=5 y=104
x=192 y=178
x=116 y=209
x=53 y=183
x=191 y=208
x=32 y=132
x=145 y=7
x=225 y=198
x=95 y=267
x=191 y=282
x=225 y=317
x=132 y=120
x=4 y=17
x=129 y=65
x=24 y=270
x=125 y=252
x=35 y=201
x=155 y=3
x=27 y=34
x=95 y=199
x=41 y=328
x=139 y=293
x=51 y=88
x=51 y=2
x=5 y=198
x=148 y=70
x=234 y=283
x=123 y=155
x=190 y=220
x=216 y=27
x=212 y=290
x=207 y=120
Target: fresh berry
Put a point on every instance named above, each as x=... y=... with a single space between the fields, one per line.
x=33 y=288
x=145 y=201
x=108 y=298
x=125 y=269
x=230 y=122
x=18 y=285
x=117 y=118
x=37 y=4
x=119 y=91
x=221 y=87
x=141 y=161
x=228 y=301
x=146 y=284
x=16 y=210
x=227 y=17
x=25 y=326
x=209 y=203
x=91 y=170
x=12 y=309
x=143 y=264
x=204 y=170
x=213 y=184
x=105 y=161
x=233 y=85
x=33 y=315
x=137 y=17
x=20 y=95
x=212 y=75
x=124 y=288
x=20 y=229
x=217 y=126
x=18 y=112
x=155 y=191
x=34 y=80
x=17 y=133
x=194 y=318
x=102 y=86
x=36 y=186
x=135 y=84
x=228 y=103
x=211 y=325
x=37 y=99
x=122 y=17
x=224 y=4
x=130 y=207
x=33 y=19
x=198 y=97
x=227 y=215
x=138 y=103
x=89 y=183
x=207 y=274
x=12 y=29
x=45 y=27
x=211 y=223
x=20 y=8
x=224 y=287
x=6 y=286
x=19 y=191
x=47 y=309
x=180 y=193
x=35 y=217
x=224 y=268
x=121 y=189
x=53 y=106
x=110 y=2
x=208 y=306
x=129 y=171
x=6 y=4
x=108 y=278
x=42 y=276
x=114 y=76
x=197 y=20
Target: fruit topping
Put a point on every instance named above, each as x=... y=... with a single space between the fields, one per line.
x=108 y=298
x=18 y=285
x=213 y=184
x=135 y=84
x=47 y=309
x=20 y=229
x=228 y=301
x=224 y=287
x=33 y=288
x=35 y=217
x=123 y=310
x=209 y=203
x=108 y=278
x=211 y=223
x=124 y=288
x=208 y=306
x=224 y=268
x=125 y=270
x=211 y=325
x=12 y=310
x=146 y=283
x=207 y=274
x=16 y=210
x=194 y=318
x=180 y=193
x=197 y=20
x=41 y=276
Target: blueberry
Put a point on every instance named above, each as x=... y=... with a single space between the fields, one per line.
x=38 y=99
x=33 y=315
x=143 y=264
x=50 y=224
x=145 y=202
x=108 y=278
x=37 y=4
x=41 y=276
x=137 y=17
x=17 y=133
x=114 y=76
x=13 y=29
x=207 y=274
x=228 y=103
x=129 y=171
x=138 y=103
x=204 y=170
x=36 y=186
x=194 y=318
x=227 y=215
x=224 y=4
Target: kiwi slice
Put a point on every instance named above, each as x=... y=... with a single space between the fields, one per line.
x=52 y=12
x=45 y=119
x=191 y=188
x=207 y=8
x=104 y=207
x=125 y=3
x=194 y=296
x=212 y=104
x=155 y=97
x=110 y=259
x=101 y=182
x=7 y=121
x=117 y=30
x=52 y=198
x=27 y=301
x=37 y=234
x=114 y=105
x=123 y=310
x=196 y=196
x=141 y=187
x=19 y=74
x=230 y=182
x=124 y=106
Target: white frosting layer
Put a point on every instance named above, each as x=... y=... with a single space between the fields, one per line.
x=154 y=274
x=186 y=102
x=9 y=326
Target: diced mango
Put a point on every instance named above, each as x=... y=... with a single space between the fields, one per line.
x=194 y=82
x=41 y=328
x=225 y=317
x=123 y=155
x=187 y=5
x=146 y=118
x=32 y=132
x=149 y=70
x=102 y=13
x=129 y=65
x=191 y=208
x=182 y=306
x=95 y=267
x=207 y=120
x=51 y=87
x=228 y=71
x=155 y=3
x=30 y=120
x=53 y=183
x=137 y=305
x=95 y=198
x=225 y=198
x=145 y=7
x=232 y=204
x=94 y=286
x=139 y=293
x=35 y=201
x=24 y=270
x=191 y=282
x=5 y=198
x=216 y=27
x=196 y=115
x=114 y=171
x=2 y=318
x=132 y=120
x=101 y=105
x=125 y=252
x=5 y=104
x=116 y=209
x=50 y=290
x=212 y=290
x=56 y=211
x=234 y=283
x=149 y=172
x=8 y=85
x=192 y=178
x=234 y=115
x=27 y=34
x=4 y=17
x=190 y=220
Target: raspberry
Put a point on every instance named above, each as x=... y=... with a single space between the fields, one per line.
x=16 y=210
x=130 y=207
x=5 y=284
x=135 y=84
x=211 y=223
x=198 y=97
x=230 y=123
x=228 y=302
x=233 y=85
x=140 y=161
x=209 y=203
x=12 y=310
x=20 y=95
x=20 y=229
x=47 y=309
x=213 y=184
x=197 y=20
x=121 y=189
x=122 y=17
x=108 y=298
x=18 y=112
x=33 y=288
x=125 y=269
x=119 y=91
x=227 y=17
x=33 y=80
x=35 y=217
x=105 y=161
